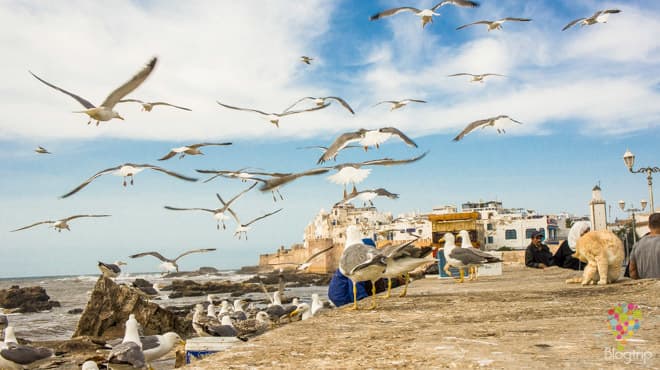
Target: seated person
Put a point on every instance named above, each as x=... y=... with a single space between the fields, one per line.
x=645 y=256
x=564 y=255
x=537 y=254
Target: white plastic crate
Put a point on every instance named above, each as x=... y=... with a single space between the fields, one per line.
x=197 y=348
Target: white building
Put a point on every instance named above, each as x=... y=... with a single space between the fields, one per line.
x=597 y=210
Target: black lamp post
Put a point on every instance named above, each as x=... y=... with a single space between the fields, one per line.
x=629 y=160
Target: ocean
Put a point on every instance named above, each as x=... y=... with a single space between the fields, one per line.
x=73 y=292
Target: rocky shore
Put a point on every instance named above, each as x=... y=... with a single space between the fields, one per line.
x=24 y=300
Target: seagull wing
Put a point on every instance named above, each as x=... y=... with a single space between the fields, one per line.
x=286 y=113
x=34 y=224
x=397 y=132
x=131 y=101
x=504 y=116
x=237 y=195
x=86 y=182
x=80 y=100
x=170 y=105
x=611 y=11
x=244 y=109
x=471 y=127
x=340 y=142
x=167 y=156
x=389 y=12
x=263 y=216
x=463 y=3
x=510 y=19
x=281 y=180
x=472 y=24
x=386 y=101
x=189 y=209
x=155 y=254
x=207 y=144
x=492 y=74
x=572 y=23
x=79 y=216
x=203 y=250
x=342 y=102
x=130 y=85
x=391 y=162
x=461 y=74
x=414 y=100
x=318 y=254
x=160 y=169
x=298 y=101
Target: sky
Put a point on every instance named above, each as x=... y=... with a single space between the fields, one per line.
x=584 y=96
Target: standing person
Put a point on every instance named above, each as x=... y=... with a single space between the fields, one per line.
x=537 y=254
x=645 y=256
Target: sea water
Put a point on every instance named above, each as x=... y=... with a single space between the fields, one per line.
x=73 y=292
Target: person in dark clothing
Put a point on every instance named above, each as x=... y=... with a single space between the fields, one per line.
x=537 y=254
x=564 y=255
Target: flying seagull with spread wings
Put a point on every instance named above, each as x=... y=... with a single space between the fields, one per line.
x=495 y=25
x=278 y=180
x=476 y=78
x=307 y=60
x=243 y=228
x=104 y=112
x=396 y=104
x=148 y=106
x=189 y=149
x=274 y=118
x=365 y=138
x=127 y=170
x=170 y=264
x=600 y=16
x=244 y=174
x=60 y=224
x=425 y=14
x=367 y=196
x=483 y=123
x=321 y=101
x=218 y=213
x=42 y=150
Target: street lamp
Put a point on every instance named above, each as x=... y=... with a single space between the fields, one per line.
x=629 y=160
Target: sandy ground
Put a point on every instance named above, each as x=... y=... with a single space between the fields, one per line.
x=525 y=318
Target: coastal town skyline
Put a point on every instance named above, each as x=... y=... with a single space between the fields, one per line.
x=584 y=97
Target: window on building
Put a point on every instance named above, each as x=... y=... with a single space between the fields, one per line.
x=510 y=234
x=489 y=226
x=529 y=233
x=490 y=240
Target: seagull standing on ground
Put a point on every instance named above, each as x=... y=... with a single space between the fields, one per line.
x=495 y=25
x=274 y=118
x=42 y=150
x=148 y=106
x=218 y=213
x=425 y=14
x=321 y=101
x=600 y=16
x=483 y=123
x=110 y=270
x=476 y=78
x=129 y=353
x=104 y=112
x=157 y=346
x=127 y=170
x=170 y=264
x=401 y=260
x=190 y=150
x=397 y=104
x=59 y=225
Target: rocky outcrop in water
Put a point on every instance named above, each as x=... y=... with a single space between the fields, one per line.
x=109 y=306
x=291 y=279
x=145 y=286
x=190 y=288
x=30 y=299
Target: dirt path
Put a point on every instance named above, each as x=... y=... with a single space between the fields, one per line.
x=525 y=318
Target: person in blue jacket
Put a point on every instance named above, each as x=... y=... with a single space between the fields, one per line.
x=340 y=289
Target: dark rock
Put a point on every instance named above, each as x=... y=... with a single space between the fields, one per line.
x=189 y=288
x=75 y=311
x=145 y=286
x=109 y=306
x=208 y=270
x=291 y=279
x=30 y=299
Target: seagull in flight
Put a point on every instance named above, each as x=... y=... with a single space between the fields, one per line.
x=367 y=196
x=60 y=224
x=244 y=174
x=218 y=213
x=321 y=101
x=308 y=262
x=600 y=16
x=396 y=104
x=274 y=118
x=365 y=138
x=189 y=149
x=127 y=170
x=170 y=264
x=148 y=106
x=495 y=25
x=476 y=78
x=104 y=112
x=243 y=228
x=425 y=14
x=278 y=180
x=42 y=150
x=306 y=60
x=483 y=123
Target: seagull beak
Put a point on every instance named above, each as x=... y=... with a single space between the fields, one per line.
x=294 y=312
x=120 y=117
x=183 y=342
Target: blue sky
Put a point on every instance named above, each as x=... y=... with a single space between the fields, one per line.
x=585 y=95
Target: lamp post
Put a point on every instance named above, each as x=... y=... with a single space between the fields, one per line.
x=629 y=160
x=622 y=205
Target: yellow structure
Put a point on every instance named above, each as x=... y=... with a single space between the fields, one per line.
x=455 y=222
